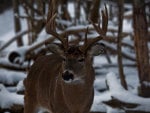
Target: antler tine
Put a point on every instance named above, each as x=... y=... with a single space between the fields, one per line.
x=51 y=25
x=104 y=20
x=85 y=40
x=103 y=30
x=82 y=48
x=100 y=30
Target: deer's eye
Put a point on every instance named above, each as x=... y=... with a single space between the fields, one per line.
x=81 y=60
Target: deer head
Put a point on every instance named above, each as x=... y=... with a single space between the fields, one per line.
x=76 y=59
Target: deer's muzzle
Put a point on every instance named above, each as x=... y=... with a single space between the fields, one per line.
x=67 y=76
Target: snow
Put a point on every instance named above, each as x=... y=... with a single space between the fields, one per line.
x=20 y=87
x=21 y=51
x=128 y=13
x=128 y=40
x=117 y=91
x=146 y=83
x=97 y=106
x=6 y=23
x=10 y=77
x=8 y=99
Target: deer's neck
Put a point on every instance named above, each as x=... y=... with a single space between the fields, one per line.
x=77 y=95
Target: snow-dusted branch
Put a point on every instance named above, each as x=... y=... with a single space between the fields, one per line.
x=125 y=54
x=7 y=65
x=27 y=4
x=18 y=35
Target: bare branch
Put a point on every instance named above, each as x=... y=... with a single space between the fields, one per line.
x=18 y=35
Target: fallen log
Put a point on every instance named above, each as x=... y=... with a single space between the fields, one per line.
x=123 y=99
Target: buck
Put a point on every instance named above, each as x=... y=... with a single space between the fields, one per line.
x=62 y=82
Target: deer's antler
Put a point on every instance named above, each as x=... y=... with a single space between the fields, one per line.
x=51 y=25
x=100 y=30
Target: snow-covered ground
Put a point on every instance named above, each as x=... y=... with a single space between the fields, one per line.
x=103 y=72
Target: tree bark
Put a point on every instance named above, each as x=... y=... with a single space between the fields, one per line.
x=141 y=46
x=119 y=39
x=94 y=14
x=77 y=11
x=65 y=14
x=87 y=6
x=17 y=21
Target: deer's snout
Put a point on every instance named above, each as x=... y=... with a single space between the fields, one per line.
x=67 y=76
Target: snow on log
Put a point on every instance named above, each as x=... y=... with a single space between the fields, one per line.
x=18 y=35
x=10 y=78
x=4 y=63
x=10 y=102
x=123 y=99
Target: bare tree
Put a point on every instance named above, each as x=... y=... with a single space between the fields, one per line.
x=119 y=39
x=65 y=14
x=17 y=23
x=94 y=13
x=77 y=11
x=35 y=11
x=141 y=46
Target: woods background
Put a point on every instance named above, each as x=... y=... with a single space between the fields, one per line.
x=74 y=23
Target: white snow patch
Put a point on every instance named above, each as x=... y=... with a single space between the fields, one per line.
x=8 y=99
x=20 y=86
x=10 y=77
x=117 y=91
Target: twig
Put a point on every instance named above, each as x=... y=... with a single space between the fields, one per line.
x=123 y=54
x=18 y=35
x=31 y=7
x=14 y=67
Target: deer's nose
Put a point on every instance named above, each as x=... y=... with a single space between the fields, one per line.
x=67 y=76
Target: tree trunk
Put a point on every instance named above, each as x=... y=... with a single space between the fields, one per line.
x=94 y=14
x=65 y=14
x=77 y=11
x=120 y=20
x=87 y=6
x=17 y=21
x=141 y=47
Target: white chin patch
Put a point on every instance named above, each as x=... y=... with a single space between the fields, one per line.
x=77 y=80
x=68 y=81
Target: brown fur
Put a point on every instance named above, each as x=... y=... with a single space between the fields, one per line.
x=45 y=88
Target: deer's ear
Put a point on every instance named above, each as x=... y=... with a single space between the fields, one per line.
x=97 y=49
x=55 y=48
